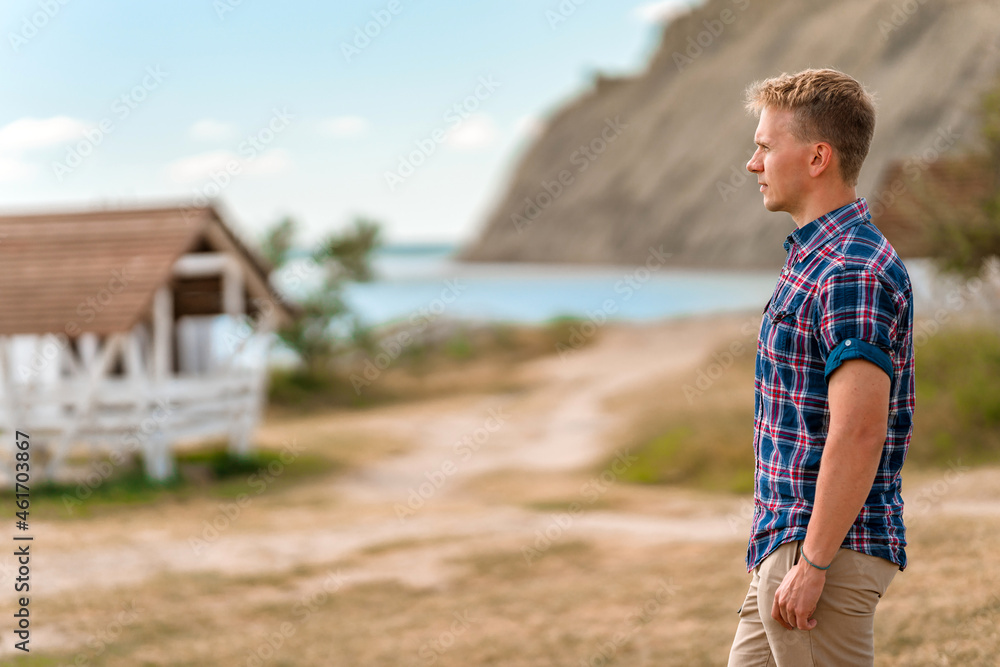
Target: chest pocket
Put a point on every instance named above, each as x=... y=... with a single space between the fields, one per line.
x=786 y=330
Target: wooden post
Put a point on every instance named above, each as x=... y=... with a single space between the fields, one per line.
x=9 y=418
x=232 y=289
x=158 y=458
x=84 y=409
x=241 y=441
x=163 y=325
x=88 y=345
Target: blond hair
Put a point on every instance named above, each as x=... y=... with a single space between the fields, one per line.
x=828 y=106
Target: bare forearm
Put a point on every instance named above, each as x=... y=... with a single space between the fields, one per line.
x=847 y=471
x=845 y=479
x=859 y=411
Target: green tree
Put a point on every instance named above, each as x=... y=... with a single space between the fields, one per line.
x=342 y=257
x=348 y=254
x=277 y=241
x=965 y=234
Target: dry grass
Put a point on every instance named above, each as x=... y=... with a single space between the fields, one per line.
x=667 y=605
x=327 y=435
x=558 y=610
x=698 y=429
x=469 y=359
x=455 y=597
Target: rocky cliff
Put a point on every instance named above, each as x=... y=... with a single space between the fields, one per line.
x=658 y=159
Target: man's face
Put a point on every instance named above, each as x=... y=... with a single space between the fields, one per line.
x=780 y=162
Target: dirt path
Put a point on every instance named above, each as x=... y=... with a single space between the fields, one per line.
x=556 y=426
x=406 y=517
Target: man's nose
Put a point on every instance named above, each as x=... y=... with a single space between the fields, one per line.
x=753 y=166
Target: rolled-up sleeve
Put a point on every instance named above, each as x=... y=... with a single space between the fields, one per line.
x=857 y=317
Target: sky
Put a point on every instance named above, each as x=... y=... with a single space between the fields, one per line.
x=410 y=112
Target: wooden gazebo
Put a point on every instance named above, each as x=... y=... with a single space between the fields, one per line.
x=909 y=191
x=130 y=330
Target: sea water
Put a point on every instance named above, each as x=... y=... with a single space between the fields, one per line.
x=423 y=281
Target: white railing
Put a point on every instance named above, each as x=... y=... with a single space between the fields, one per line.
x=126 y=416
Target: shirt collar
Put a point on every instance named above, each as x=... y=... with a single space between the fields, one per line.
x=811 y=236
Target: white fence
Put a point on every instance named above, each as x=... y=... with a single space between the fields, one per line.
x=81 y=407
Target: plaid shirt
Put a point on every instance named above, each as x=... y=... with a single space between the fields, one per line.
x=842 y=294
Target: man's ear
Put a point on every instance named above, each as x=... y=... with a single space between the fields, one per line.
x=821 y=158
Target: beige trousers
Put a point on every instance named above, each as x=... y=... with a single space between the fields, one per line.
x=845 y=614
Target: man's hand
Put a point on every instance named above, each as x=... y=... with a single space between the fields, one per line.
x=859 y=411
x=796 y=598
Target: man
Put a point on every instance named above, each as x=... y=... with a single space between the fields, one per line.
x=834 y=393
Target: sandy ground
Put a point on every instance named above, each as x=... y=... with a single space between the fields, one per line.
x=557 y=425
x=466 y=476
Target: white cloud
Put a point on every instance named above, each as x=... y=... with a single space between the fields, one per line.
x=28 y=133
x=662 y=10
x=271 y=162
x=208 y=129
x=12 y=169
x=345 y=126
x=475 y=132
x=200 y=167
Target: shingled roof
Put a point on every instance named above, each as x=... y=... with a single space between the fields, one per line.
x=911 y=190
x=97 y=271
